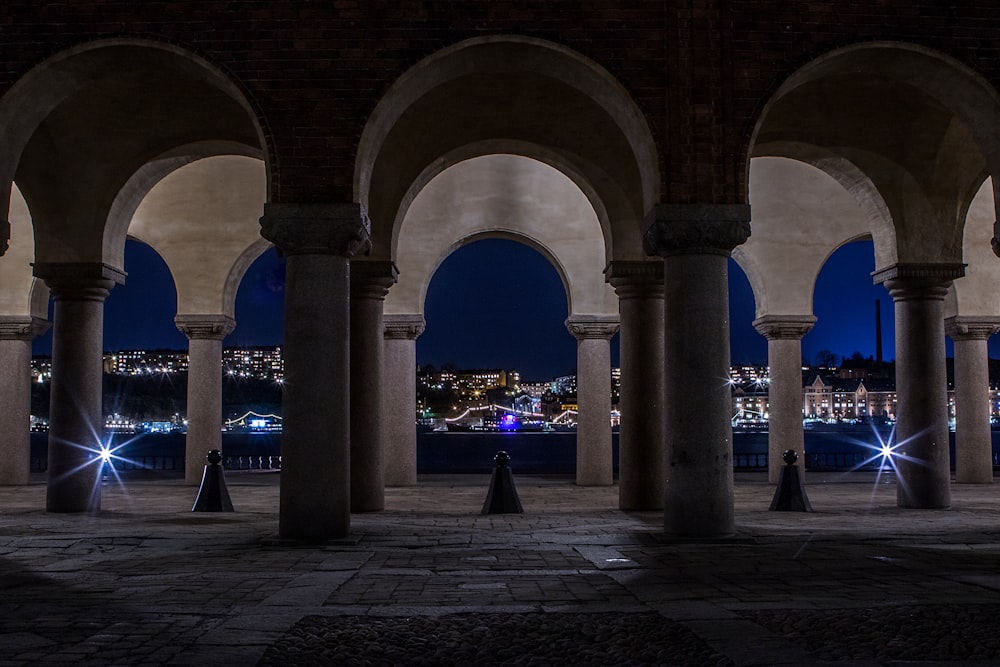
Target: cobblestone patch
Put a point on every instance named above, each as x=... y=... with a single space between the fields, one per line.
x=492 y=639
x=914 y=632
x=392 y=588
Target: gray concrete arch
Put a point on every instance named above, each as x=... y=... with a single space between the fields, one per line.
x=202 y=218
x=503 y=196
x=24 y=304
x=499 y=94
x=70 y=170
x=919 y=124
x=801 y=216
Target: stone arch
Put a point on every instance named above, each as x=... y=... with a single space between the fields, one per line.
x=975 y=294
x=506 y=94
x=77 y=127
x=202 y=218
x=919 y=125
x=22 y=295
x=510 y=197
x=802 y=215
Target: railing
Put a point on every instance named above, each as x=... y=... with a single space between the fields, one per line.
x=820 y=461
x=251 y=462
x=176 y=463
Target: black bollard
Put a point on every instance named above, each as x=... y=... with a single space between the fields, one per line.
x=790 y=496
x=213 y=496
x=502 y=496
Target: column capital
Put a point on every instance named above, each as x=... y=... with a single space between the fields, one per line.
x=86 y=281
x=211 y=327
x=918 y=280
x=966 y=327
x=403 y=327
x=16 y=327
x=784 y=327
x=592 y=326
x=371 y=279
x=635 y=279
x=695 y=229
x=317 y=229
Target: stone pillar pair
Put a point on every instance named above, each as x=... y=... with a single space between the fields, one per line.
x=695 y=242
x=317 y=241
x=16 y=334
x=593 y=390
x=75 y=417
x=204 y=391
x=921 y=457
x=973 y=437
x=784 y=356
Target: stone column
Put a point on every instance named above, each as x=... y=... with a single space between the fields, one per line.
x=317 y=241
x=784 y=356
x=400 y=398
x=75 y=415
x=973 y=437
x=16 y=334
x=204 y=391
x=370 y=282
x=922 y=457
x=594 y=465
x=695 y=242
x=639 y=286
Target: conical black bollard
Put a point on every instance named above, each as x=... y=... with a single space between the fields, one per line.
x=502 y=496
x=790 y=496
x=213 y=496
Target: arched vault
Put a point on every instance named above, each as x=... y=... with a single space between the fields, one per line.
x=503 y=196
x=76 y=129
x=203 y=221
x=513 y=95
x=919 y=127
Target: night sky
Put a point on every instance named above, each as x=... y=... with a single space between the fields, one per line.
x=498 y=303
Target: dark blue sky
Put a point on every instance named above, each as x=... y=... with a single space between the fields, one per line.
x=498 y=303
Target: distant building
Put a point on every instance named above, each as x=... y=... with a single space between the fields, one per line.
x=145 y=362
x=262 y=363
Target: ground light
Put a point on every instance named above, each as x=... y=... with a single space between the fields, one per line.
x=884 y=452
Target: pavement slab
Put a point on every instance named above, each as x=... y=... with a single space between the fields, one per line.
x=430 y=580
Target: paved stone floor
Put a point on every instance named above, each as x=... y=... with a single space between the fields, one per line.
x=571 y=581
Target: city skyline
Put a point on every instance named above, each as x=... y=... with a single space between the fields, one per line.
x=509 y=317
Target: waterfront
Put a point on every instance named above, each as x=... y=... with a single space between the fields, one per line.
x=472 y=452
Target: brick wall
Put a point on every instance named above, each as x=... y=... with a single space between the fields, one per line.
x=700 y=70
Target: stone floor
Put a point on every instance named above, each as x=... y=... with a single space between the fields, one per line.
x=430 y=581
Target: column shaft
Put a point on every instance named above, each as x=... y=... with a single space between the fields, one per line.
x=594 y=465
x=699 y=449
x=695 y=242
x=400 y=398
x=973 y=439
x=204 y=391
x=315 y=441
x=922 y=460
x=369 y=284
x=75 y=414
x=593 y=431
x=640 y=439
x=785 y=405
x=973 y=436
x=16 y=334
x=784 y=356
